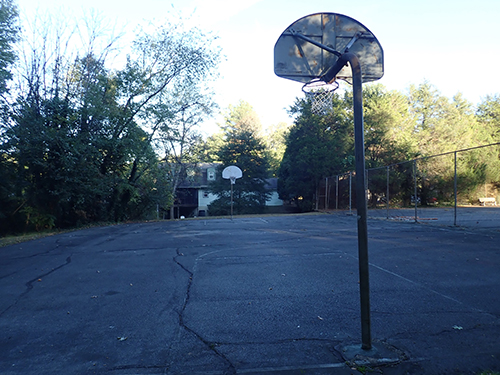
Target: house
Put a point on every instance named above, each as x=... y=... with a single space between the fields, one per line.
x=193 y=197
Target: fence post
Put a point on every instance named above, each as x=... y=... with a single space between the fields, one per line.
x=415 y=188
x=350 y=192
x=337 y=193
x=387 y=195
x=326 y=194
x=455 y=191
x=366 y=187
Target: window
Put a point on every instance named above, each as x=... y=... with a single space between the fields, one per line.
x=211 y=174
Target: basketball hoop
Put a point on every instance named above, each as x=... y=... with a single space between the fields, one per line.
x=232 y=173
x=320 y=94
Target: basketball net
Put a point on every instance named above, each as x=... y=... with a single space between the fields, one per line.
x=233 y=180
x=320 y=95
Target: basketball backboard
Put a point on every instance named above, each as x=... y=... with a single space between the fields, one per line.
x=232 y=173
x=312 y=45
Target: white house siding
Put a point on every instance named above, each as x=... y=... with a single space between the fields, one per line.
x=204 y=201
x=274 y=200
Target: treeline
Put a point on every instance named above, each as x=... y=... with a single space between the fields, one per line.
x=81 y=142
x=398 y=127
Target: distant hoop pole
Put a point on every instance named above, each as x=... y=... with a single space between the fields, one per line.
x=232 y=183
x=231 y=173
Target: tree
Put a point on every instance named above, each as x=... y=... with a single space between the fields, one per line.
x=275 y=138
x=9 y=35
x=444 y=126
x=167 y=85
x=179 y=134
x=244 y=147
x=316 y=147
x=488 y=115
x=74 y=151
x=81 y=141
x=389 y=129
x=209 y=147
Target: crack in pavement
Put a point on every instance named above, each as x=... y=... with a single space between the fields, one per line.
x=210 y=345
x=29 y=284
x=139 y=367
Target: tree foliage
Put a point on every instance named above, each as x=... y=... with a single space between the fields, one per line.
x=81 y=142
x=244 y=147
x=398 y=128
x=174 y=96
x=316 y=147
x=275 y=138
x=9 y=35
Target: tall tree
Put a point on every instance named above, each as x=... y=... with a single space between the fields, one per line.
x=167 y=85
x=388 y=126
x=179 y=133
x=389 y=129
x=316 y=147
x=275 y=137
x=9 y=36
x=488 y=115
x=244 y=147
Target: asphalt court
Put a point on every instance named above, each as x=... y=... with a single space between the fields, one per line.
x=470 y=217
x=254 y=295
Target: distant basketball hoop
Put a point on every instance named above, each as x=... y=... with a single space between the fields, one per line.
x=320 y=95
x=232 y=173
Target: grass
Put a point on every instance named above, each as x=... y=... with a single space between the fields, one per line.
x=19 y=238
x=12 y=240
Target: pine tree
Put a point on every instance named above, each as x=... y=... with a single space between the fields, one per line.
x=245 y=148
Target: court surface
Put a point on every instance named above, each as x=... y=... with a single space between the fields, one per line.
x=253 y=295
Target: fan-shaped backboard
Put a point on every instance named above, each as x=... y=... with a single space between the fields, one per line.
x=299 y=53
x=232 y=172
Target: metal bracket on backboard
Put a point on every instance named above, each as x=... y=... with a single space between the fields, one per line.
x=312 y=41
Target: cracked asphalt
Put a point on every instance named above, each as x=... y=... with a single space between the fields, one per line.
x=257 y=295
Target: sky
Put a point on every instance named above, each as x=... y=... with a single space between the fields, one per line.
x=452 y=44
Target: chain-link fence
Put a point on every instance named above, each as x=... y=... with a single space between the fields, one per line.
x=455 y=188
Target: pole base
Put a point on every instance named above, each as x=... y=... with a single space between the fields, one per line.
x=380 y=354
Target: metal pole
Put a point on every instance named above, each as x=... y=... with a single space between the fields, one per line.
x=415 y=188
x=350 y=192
x=231 y=199
x=337 y=193
x=361 y=205
x=366 y=182
x=387 y=195
x=326 y=194
x=455 y=191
